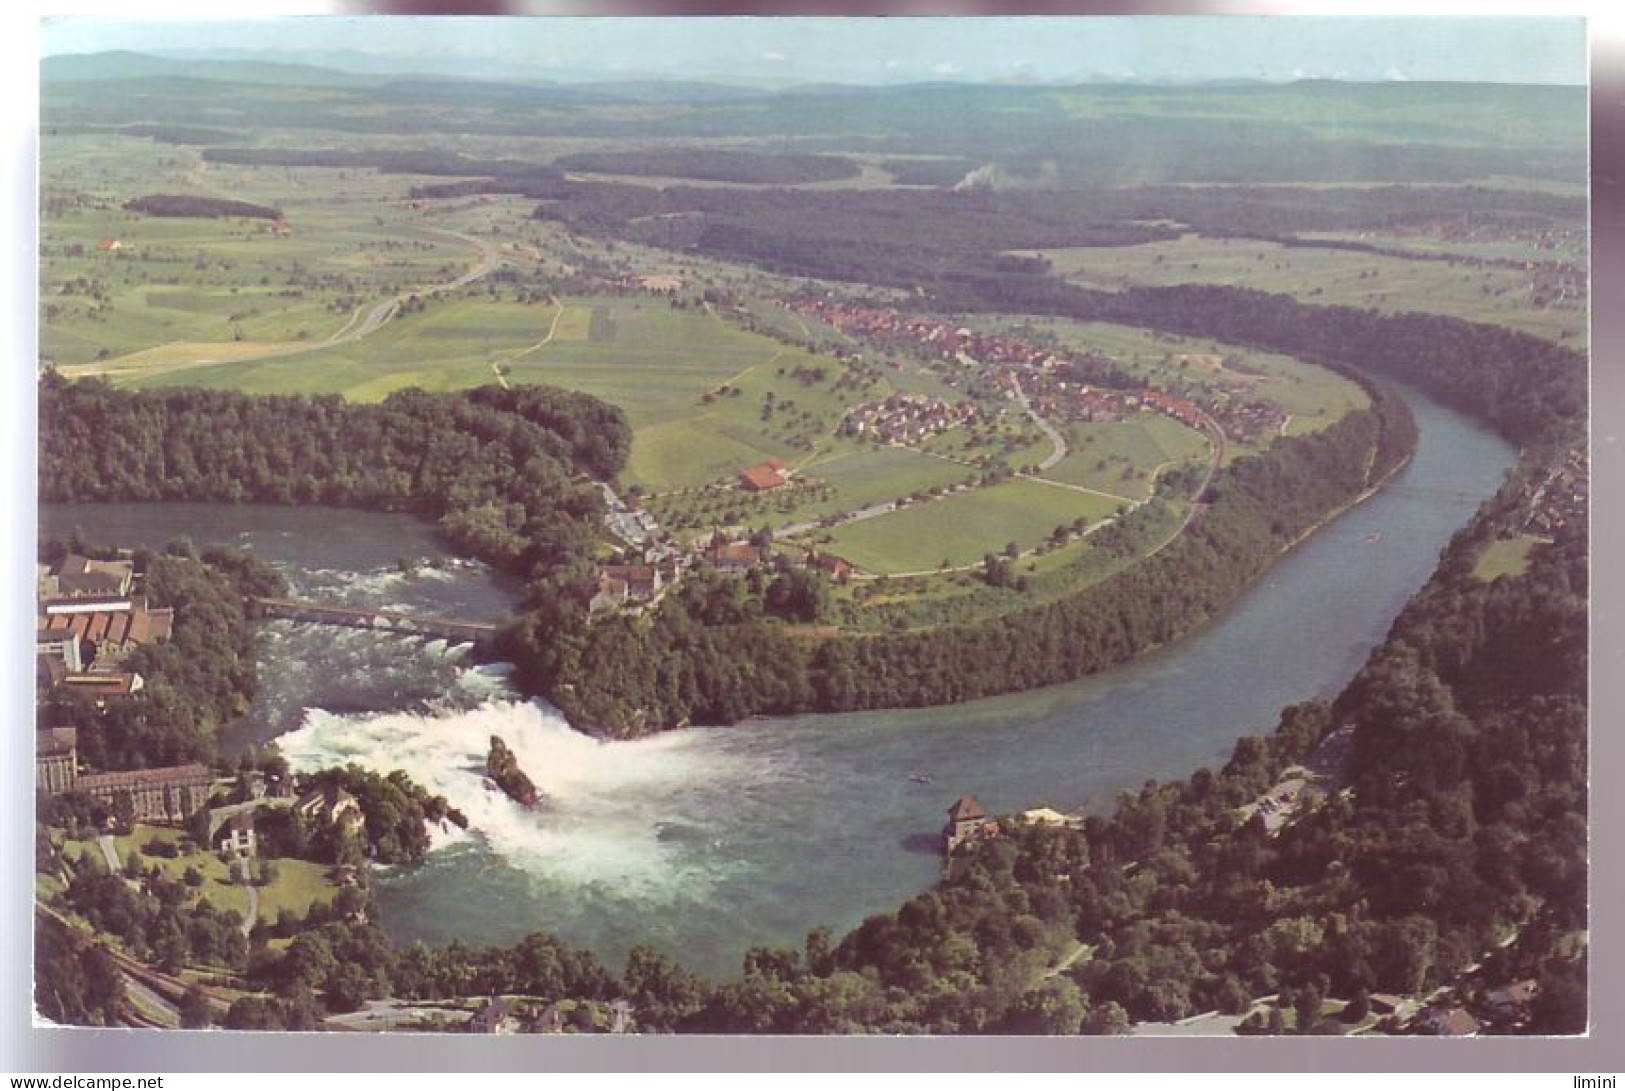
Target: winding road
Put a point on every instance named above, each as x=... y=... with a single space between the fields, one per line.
x=1044 y=426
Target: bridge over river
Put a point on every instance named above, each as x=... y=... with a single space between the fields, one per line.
x=458 y=630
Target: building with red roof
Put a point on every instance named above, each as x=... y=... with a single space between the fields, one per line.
x=764 y=477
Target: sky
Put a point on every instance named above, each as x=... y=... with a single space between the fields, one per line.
x=892 y=50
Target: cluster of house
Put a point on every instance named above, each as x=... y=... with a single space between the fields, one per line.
x=906 y=418
x=947 y=341
x=1563 y=497
x=90 y=619
x=1181 y=409
x=642 y=583
x=1504 y=1007
x=1013 y=361
x=500 y=1015
x=1247 y=420
x=1066 y=400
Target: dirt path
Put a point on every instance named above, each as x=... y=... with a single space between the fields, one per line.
x=553 y=328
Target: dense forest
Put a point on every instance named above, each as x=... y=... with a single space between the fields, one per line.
x=169 y=204
x=416 y=161
x=946 y=238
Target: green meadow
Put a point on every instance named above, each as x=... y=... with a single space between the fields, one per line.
x=1495 y=295
x=1123 y=457
x=962 y=528
x=1507 y=557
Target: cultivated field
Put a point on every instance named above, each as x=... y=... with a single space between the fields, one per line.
x=961 y=528
x=1124 y=457
x=1494 y=294
x=1565 y=248
x=482 y=292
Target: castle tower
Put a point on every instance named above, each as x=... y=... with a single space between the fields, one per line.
x=965 y=817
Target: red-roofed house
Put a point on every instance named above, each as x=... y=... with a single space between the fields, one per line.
x=762 y=478
x=1450 y=1022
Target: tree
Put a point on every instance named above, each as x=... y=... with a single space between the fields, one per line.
x=664 y=993
x=253 y=1013
x=124 y=809
x=1055 y=1007
x=196 y=1011
x=1107 y=1019
x=1358 y=1007
x=1307 y=1007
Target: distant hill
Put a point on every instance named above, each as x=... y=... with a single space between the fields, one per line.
x=127 y=65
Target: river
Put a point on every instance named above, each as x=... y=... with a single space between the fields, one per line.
x=707 y=841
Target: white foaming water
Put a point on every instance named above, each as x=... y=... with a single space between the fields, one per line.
x=628 y=817
x=361 y=586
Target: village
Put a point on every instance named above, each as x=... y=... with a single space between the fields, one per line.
x=1053 y=380
x=1563 y=498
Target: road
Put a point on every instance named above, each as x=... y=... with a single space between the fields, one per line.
x=488 y=260
x=880 y=507
x=110 y=853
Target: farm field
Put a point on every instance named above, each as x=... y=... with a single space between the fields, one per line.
x=445 y=347
x=867 y=475
x=186 y=281
x=1566 y=249
x=962 y=528
x=1124 y=456
x=1494 y=295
